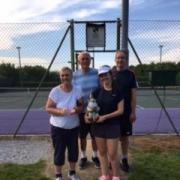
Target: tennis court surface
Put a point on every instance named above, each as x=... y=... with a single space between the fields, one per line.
x=37 y=121
x=151 y=119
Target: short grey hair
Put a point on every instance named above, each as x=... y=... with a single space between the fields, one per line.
x=84 y=53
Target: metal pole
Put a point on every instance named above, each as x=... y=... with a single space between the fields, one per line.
x=160 y=55
x=155 y=91
x=72 y=44
x=40 y=84
x=19 y=57
x=93 y=59
x=125 y=22
x=118 y=34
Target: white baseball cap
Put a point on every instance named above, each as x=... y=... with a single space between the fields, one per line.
x=104 y=69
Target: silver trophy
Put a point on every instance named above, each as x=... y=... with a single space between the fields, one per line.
x=92 y=108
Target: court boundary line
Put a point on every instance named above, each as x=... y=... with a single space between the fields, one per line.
x=138 y=107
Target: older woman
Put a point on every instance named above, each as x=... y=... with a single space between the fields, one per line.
x=64 y=104
x=106 y=128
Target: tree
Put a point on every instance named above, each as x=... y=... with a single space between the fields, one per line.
x=10 y=74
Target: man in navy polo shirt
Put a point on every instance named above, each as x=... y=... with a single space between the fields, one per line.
x=127 y=82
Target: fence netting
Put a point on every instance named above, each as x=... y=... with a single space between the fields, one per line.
x=28 y=48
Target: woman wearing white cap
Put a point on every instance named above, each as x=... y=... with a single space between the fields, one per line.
x=106 y=128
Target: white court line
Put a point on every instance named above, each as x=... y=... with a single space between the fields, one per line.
x=41 y=108
x=139 y=107
x=34 y=109
x=172 y=98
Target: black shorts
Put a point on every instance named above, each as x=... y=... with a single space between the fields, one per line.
x=105 y=130
x=84 y=128
x=62 y=138
x=125 y=126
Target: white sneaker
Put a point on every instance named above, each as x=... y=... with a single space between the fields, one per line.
x=73 y=177
x=58 y=178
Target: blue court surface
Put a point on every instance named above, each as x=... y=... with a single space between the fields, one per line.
x=149 y=121
x=150 y=117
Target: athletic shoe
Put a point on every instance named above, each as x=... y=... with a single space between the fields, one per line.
x=82 y=163
x=125 y=165
x=96 y=162
x=58 y=178
x=103 y=177
x=73 y=177
x=115 y=178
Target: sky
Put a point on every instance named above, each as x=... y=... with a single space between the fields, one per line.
x=62 y=10
x=23 y=22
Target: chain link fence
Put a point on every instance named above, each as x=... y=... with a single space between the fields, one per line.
x=37 y=42
x=27 y=50
x=27 y=44
x=100 y=55
x=150 y=37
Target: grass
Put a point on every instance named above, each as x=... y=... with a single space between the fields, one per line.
x=23 y=172
x=151 y=158
x=155 y=166
x=155 y=158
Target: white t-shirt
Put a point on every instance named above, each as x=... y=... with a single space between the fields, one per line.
x=65 y=100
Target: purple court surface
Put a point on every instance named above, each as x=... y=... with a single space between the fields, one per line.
x=149 y=121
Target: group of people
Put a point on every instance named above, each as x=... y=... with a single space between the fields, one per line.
x=115 y=92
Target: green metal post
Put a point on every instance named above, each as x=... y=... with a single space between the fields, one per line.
x=118 y=34
x=72 y=44
x=125 y=26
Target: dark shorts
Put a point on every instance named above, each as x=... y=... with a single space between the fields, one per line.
x=107 y=131
x=125 y=126
x=84 y=128
x=62 y=139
